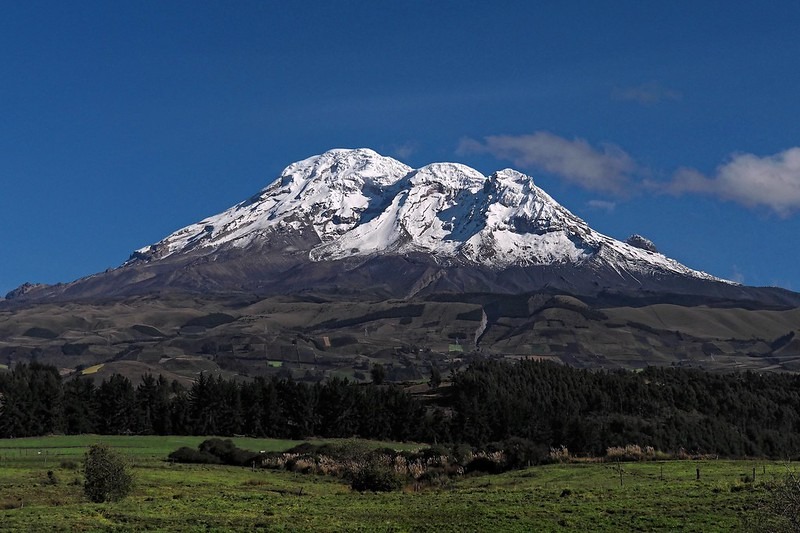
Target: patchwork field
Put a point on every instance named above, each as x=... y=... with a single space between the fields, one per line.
x=645 y=496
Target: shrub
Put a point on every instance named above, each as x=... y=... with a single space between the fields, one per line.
x=107 y=476
x=434 y=452
x=483 y=465
x=215 y=451
x=560 y=454
x=51 y=478
x=521 y=453
x=631 y=452
x=190 y=455
x=463 y=453
x=375 y=477
x=782 y=507
x=228 y=452
x=378 y=373
x=436 y=477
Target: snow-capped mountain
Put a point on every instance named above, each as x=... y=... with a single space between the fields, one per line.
x=359 y=204
x=350 y=239
x=328 y=193
x=355 y=225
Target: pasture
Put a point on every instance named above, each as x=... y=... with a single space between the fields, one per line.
x=644 y=496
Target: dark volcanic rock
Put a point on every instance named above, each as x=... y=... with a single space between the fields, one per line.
x=640 y=242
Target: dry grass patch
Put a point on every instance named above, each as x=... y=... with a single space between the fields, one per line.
x=92 y=369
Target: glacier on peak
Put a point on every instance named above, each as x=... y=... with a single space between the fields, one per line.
x=358 y=203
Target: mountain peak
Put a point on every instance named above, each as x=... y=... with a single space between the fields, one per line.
x=345 y=204
x=360 y=164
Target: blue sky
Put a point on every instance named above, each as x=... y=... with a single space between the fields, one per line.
x=121 y=122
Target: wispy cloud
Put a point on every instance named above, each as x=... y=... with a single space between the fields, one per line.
x=605 y=168
x=752 y=181
x=602 y=205
x=736 y=275
x=772 y=181
x=646 y=94
x=404 y=150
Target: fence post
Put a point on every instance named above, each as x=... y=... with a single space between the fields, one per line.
x=698 y=473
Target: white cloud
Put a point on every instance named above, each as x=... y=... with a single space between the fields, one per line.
x=752 y=181
x=607 y=168
x=772 y=181
x=737 y=275
x=602 y=205
x=646 y=93
x=404 y=150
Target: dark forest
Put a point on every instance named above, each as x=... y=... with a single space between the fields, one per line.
x=669 y=409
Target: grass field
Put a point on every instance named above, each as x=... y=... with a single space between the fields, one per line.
x=652 y=496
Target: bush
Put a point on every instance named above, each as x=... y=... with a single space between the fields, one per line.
x=483 y=465
x=376 y=478
x=630 y=452
x=190 y=455
x=436 y=477
x=560 y=455
x=521 y=453
x=51 y=478
x=463 y=453
x=378 y=374
x=215 y=451
x=107 y=476
x=435 y=451
x=782 y=507
x=228 y=452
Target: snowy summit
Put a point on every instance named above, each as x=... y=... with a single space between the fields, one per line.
x=358 y=203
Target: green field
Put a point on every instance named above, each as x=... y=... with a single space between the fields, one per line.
x=663 y=496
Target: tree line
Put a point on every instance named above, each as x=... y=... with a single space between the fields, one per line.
x=730 y=414
x=35 y=401
x=733 y=414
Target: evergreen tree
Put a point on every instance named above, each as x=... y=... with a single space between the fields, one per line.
x=80 y=406
x=378 y=374
x=116 y=406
